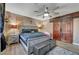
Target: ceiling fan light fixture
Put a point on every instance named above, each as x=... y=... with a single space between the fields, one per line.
x=46 y=14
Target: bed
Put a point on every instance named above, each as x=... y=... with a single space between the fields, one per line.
x=30 y=37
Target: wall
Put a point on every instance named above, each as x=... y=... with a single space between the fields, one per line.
x=48 y=28
x=76 y=31
x=21 y=21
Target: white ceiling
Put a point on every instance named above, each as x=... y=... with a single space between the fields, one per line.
x=27 y=9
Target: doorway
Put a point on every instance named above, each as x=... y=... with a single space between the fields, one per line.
x=56 y=30
x=76 y=31
x=67 y=28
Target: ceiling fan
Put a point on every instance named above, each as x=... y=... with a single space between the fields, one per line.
x=46 y=13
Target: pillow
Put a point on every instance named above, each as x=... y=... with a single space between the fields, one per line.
x=29 y=30
x=26 y=31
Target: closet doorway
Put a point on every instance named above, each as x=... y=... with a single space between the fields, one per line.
x=67 y=31
x=56 y=30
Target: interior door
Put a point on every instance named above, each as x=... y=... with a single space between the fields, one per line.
x=56 y=30
x=67 y=35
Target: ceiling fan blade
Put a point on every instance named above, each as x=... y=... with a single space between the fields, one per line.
x=50 y=15
x=56 y=13
x=56 y=8
x=59 y=7
x=40 y=14
x=36 y=11
x=41 y=9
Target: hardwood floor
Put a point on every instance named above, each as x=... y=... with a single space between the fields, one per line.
x=71 y=47
x=15 y=49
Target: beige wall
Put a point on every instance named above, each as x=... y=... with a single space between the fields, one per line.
x=48 y=28
x=20 y=20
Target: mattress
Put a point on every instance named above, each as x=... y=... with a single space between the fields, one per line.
x=32 y=35
x=30 y=39
x=33 y=39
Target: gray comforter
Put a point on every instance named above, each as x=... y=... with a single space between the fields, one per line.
x=31 y=39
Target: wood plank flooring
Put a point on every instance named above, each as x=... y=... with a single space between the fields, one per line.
x=15 y=49
x=71 y=47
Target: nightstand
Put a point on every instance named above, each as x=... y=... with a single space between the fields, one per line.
x=13 y=38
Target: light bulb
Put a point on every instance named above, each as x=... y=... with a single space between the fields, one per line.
x=46 y=14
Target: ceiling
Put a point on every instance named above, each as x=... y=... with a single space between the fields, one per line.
x=27 y=9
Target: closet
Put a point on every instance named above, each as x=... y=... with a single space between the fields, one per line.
x=63 y=29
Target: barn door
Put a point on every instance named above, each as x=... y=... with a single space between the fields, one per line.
x=56 y=30
x=67 y=35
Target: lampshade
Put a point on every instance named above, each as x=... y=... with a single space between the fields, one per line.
x=12 y=26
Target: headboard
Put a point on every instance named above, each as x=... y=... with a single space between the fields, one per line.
x=29 y=29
